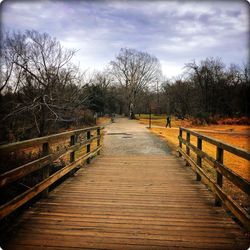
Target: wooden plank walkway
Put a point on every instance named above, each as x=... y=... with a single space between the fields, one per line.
x=124 y=201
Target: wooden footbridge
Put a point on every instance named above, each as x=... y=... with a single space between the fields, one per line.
x=121 y=199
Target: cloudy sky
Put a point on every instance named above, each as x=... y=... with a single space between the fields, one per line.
x=176 y=32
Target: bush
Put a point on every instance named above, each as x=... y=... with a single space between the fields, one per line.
x=204 y=118
x=235 y=121
x=88 y=117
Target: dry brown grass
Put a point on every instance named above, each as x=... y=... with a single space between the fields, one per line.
x=161 y=121
x=237 y=164
x=234 y=162
x=237 y=135
x=102 y=120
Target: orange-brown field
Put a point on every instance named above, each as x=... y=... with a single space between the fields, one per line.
x=102 y=120
x=237 y=135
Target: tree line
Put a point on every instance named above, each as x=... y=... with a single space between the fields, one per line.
x=42 y=91
x=208 y=90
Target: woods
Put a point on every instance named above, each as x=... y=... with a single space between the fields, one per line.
x=42 y=91
x=209 y=89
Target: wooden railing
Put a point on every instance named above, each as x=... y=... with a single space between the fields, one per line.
x=221 y=171
x=84 y=142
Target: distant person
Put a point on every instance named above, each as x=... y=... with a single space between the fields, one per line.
x=95 y=117
x=113 y=117
x=168 y=121
x=131 y=111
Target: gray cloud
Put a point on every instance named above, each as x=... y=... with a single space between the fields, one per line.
x=174 y=31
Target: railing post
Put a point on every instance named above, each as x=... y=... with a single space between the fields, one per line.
x=45 y=170
x=72 y=154
x=99 y=138
x=219 y=180
x=188 y=141
x=88 y=145
x=180 y=142
x=199 y=161
x=187 y=147
x=72 y=142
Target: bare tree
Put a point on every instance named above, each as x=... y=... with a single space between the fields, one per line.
x=9 y=75
x=47 y=87
x=207 y=75
x=102 y=78
x=134 y=70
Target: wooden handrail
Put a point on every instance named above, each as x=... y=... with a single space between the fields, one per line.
x=17 y=173
x=44 y=162
x=221 y=170
x=232 y=149
x=45 y=139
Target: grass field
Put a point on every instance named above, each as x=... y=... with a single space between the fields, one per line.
x=236 y=135
x=102 y=120
x=236 y=163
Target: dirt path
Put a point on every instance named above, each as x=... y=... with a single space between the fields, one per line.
x=128 y=137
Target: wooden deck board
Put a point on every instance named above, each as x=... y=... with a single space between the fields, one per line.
x=135 y=202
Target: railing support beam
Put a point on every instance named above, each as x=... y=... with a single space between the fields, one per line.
x=199 y=160
x=46 y=169
x=180 y=142
x=88 y=145
x=219 y=178
x=72 y=154
x=98 y=131
x=187 y=146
